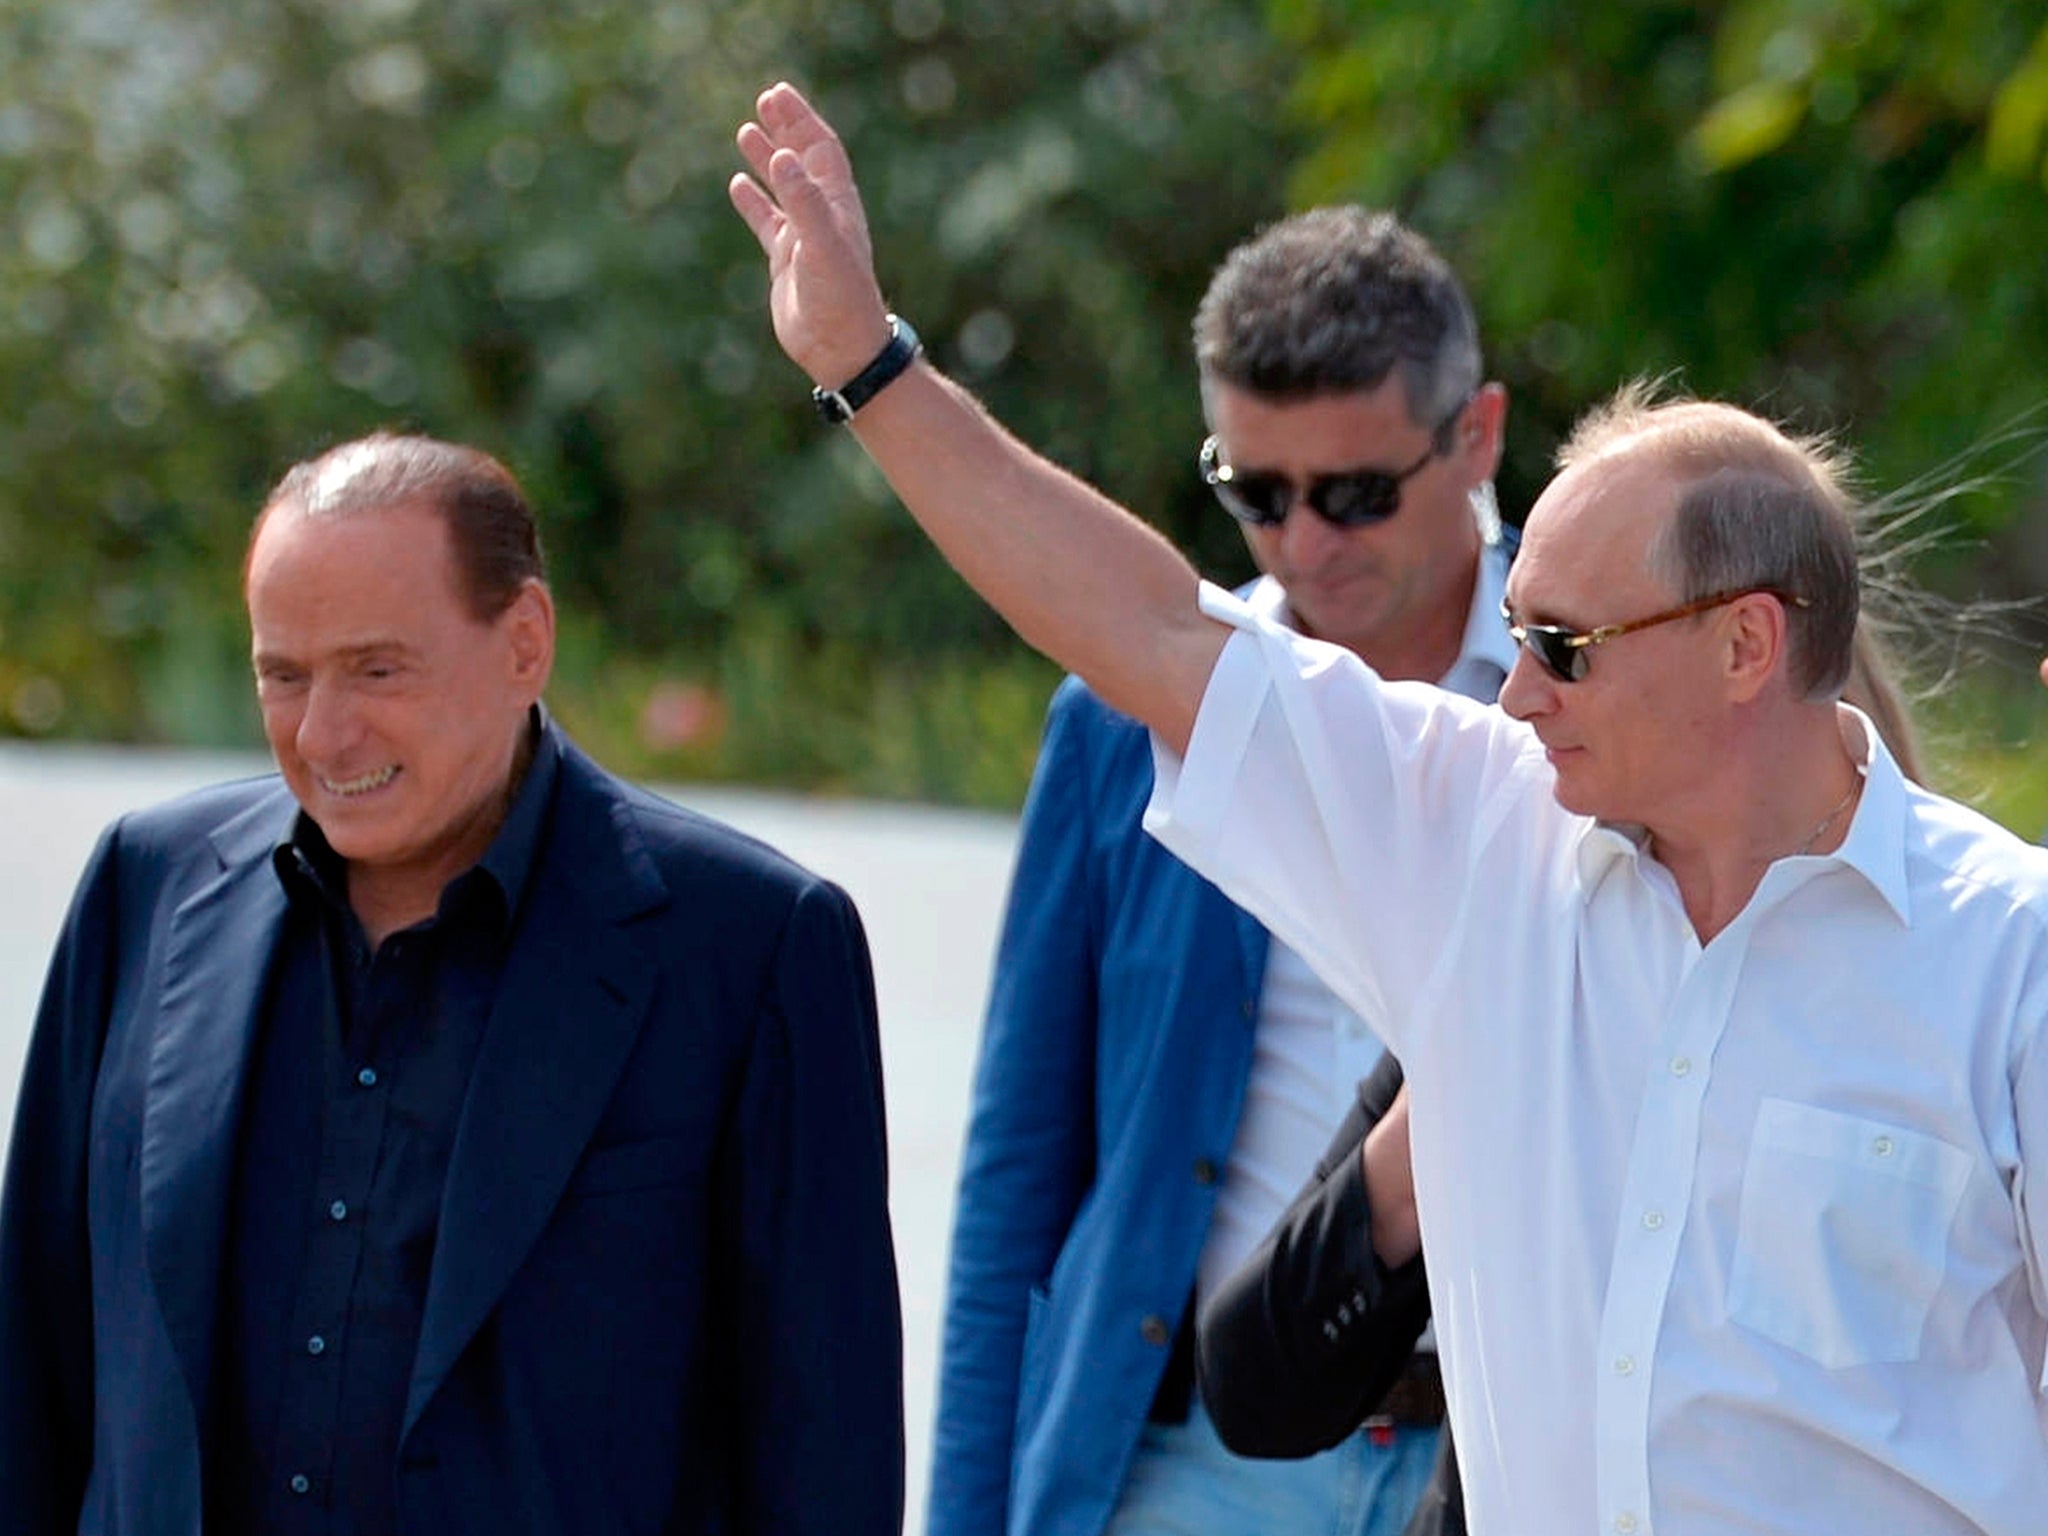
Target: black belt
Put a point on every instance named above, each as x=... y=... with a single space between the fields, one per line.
x=1417 y=1396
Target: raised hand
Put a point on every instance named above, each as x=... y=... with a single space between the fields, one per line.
x=1090 y=585
x=806 y=211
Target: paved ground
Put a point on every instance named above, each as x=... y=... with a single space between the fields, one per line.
x=929 y=884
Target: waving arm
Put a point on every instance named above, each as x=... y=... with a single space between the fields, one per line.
x=1077 y=576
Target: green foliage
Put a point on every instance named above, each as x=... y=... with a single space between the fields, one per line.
x=235 y=231
x=1834 y=209
x=1985 y=745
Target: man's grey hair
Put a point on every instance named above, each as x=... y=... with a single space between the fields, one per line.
x=1338 y=299
x=1757 y=507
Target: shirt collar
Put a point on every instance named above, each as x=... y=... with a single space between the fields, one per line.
x=305 y=862
x=1874 y=847
x=1486 y=637
x=1485 y=640
x=1601 y=845
x=509 y=859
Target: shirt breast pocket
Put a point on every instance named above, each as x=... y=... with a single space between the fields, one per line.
x=1842 y=1241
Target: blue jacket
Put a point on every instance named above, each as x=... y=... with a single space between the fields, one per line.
x=1106 y=1101
x=662 y=1295
x=1112 y=1071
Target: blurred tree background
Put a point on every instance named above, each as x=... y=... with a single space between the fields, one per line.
x=235 y=231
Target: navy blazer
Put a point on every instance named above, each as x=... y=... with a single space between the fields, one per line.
x=663 y=1295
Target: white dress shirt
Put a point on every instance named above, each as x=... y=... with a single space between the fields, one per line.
x=1737 y=1238
x=1310 y=1051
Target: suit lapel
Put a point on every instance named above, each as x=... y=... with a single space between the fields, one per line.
x=570 y=1003
x=216 y=958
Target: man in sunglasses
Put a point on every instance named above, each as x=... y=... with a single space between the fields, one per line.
x=1157 y=1076
x=1727 y=1047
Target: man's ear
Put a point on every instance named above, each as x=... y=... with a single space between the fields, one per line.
x=530 y=626
x=1482 y=433
x=1758 y=642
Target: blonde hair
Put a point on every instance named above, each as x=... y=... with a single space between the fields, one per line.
x=1874 y=687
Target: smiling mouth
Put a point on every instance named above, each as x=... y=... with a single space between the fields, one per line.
x=347 y=788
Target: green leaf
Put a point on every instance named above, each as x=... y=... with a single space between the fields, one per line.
x=1747 y=125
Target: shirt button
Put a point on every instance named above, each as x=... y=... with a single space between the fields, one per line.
x=1654 y=1220
x=316 y=1345
x=1153 y=1330
x=1250 y=1008
x=1205 y=1171
x=1882 y=1146
x=367 y=1077
x=338 y=1211
x=1625 y=1366
x=1625 y=1523
x=300 y=1483
x=1680 y=1065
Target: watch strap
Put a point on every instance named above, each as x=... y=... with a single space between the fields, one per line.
x=838 y=405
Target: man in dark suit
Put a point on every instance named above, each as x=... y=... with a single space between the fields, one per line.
x=444 y=1137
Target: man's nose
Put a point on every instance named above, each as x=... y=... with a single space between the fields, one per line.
x=1306 y=532
x=1530 y=689
x=326 y=721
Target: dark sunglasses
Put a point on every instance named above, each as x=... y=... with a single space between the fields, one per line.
x=1563 y=651
x=1351 y=498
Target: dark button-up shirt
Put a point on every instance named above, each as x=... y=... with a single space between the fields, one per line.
x=355 y=1091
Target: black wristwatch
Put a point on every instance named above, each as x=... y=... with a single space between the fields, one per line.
x=838 y=405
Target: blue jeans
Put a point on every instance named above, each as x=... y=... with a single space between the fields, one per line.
x=1184 y=1482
